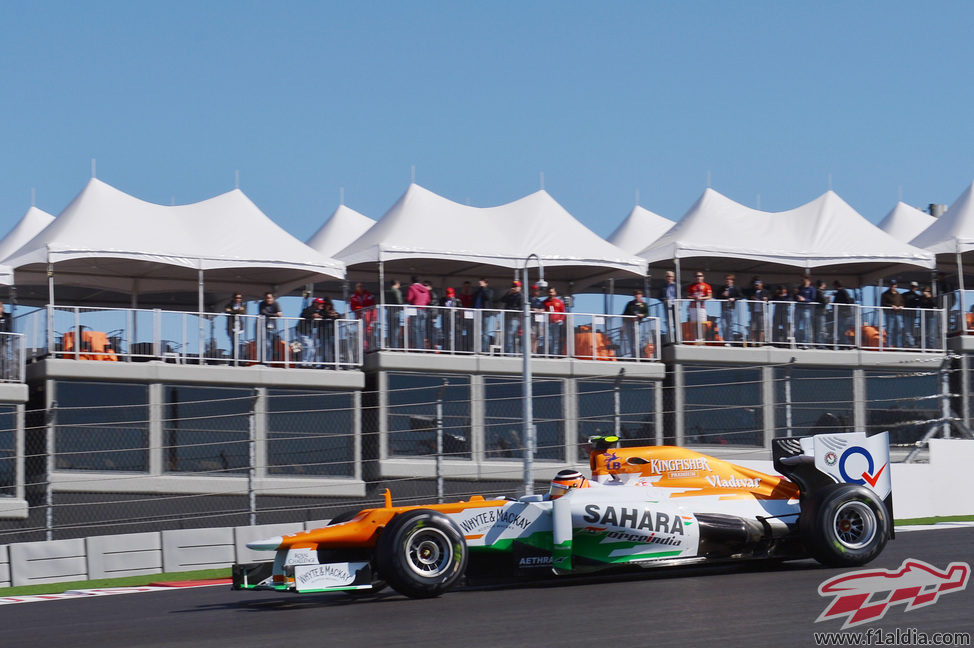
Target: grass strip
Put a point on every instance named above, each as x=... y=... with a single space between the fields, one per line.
x=127 y=581
x=934 y=520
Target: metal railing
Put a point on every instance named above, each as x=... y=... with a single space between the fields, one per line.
x=140 y=335
x=960 y=312
x=12 y=358
x=499 y=332
x=802 y=325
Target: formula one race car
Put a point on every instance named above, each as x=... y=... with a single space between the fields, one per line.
x=644 y=507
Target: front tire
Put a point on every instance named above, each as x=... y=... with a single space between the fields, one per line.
x=421 y=553
x=844 y=525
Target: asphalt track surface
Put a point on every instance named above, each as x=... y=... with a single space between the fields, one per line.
x=718 y=607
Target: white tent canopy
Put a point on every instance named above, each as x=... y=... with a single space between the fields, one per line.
x=954 y=231
x=825 y=235
x=342 y=228
x=639 y=230
x=424 y=233
x=110 y=241
x=26 y=228
x=904 y=222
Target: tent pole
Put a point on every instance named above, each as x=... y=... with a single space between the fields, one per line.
x=960 y=295
x=612 y=293
x=199 y=318
x=345 y=295
x=50 y=306
x=382 y=304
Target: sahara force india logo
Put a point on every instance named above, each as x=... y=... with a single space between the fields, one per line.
x=865 y=596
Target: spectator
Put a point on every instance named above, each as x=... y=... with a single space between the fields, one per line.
x=270 y=310
x=555 y=308
x=236 y=310
x=311 y=333
x=327 y=329
x=449 y=322
x=513 y=302
x=911 y=302
x=729 y=294
x=483 y=299
x=758 y=298
x=805 y=298
x=892 y=303
x=632 y=337
x=394 y=305
x=433 y=315
x=668 y=294
x=781 y=320
x=418 y=296
x=362 y=304
x=699 y=292
x=537 y=317
x=466 y=295
x=843 y=311
x=821 y=310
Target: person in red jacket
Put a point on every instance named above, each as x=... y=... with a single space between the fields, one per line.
x=555 y=308
x=699 y=292
x=362 y=303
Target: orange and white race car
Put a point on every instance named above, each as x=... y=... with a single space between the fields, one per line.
x=643 y=507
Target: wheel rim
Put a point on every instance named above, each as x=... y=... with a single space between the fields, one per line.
x=855 y=525
x=429 y=552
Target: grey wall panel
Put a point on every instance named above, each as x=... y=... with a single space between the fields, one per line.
x=244 y=534
x=192 y=549
x=132 y=554
x=4 y=566
x=57 y=561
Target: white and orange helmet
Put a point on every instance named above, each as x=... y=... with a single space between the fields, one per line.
x=565 y=481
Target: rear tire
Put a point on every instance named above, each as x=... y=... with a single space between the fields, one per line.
x=844 y=525
x=421 y=553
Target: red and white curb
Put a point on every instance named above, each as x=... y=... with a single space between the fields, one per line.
x=108 y=591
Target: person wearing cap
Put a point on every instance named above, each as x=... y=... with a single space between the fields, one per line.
x=892 y=303
x=310 y=333
x=449 y=324
x=911 y=302
x=632 y=330
x=513 y=302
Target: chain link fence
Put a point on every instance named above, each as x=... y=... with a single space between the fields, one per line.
x=187 y=456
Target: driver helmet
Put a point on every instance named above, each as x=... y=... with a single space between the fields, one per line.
x=565 y=481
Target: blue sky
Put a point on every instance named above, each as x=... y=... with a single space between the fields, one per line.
x=304 y=98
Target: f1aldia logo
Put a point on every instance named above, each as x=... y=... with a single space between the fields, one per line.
x=865 y=596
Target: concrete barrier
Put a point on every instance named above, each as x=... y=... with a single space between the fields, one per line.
x=57 y=561
x=192 y=549
x=244 y=534
x=133 y=554
x=4 y=566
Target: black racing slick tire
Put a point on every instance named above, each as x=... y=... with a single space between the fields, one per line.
x=325 y=556
x=844 y=525
x=421 y=553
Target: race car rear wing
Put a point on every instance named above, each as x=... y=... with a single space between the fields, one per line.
x=816 y=461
